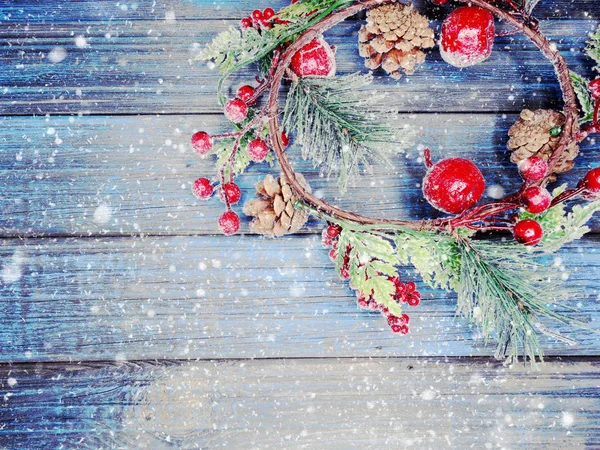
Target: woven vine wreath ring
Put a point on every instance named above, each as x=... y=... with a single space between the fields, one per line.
x=502 y=284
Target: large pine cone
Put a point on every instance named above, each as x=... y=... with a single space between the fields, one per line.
x=531 y=135
x=273 y=211
x=393 y=38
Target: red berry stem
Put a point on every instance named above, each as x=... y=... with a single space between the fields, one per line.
x=427 y=158
x=567 y=195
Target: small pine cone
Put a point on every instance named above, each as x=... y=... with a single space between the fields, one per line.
x=273 y=211
x=393 y=38
x=530 y=135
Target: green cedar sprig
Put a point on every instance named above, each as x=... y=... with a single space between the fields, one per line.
x=580 y=84
x=593 y=48
x=339 y=126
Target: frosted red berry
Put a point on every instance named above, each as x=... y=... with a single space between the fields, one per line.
x=315 y=59
x=236 y=110
x=536 y=199
x=202 y=143
x=229 y=222
x=258 y=149
x=528 y=232
x=594 y=88
x=246 y=22
x=439 y=2
x=414 y=299
x=333 y=231
x=202 y=188
x=453 y=185
x=533 y=169
x=245 y=93
x=268 y=13
x=467 y=36
x=410 y=286
x=257 y=14
x=232 y=192
x=591 y=181
x=284 y=139
x=404 y=319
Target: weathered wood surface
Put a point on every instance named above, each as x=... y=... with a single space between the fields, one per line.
x=56 y=172
x=244 y=297
x=329 y=404
x=148 y=67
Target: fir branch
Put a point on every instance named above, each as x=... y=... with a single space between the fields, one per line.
x=372 y=260
x=338 y=125
x=593 y=48
x=504 y=292
x=580 y=84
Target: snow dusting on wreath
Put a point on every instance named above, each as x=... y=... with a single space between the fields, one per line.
x=502 y=285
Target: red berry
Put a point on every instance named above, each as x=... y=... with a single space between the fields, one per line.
x=236 y=110
x=536 y=199
x=439 y=2
x=528 y=232
x=229 y=223
x=410 y=286
x=257 y=149
x=404 y=319
x=245 y=93
x=414 y=299
x=591 y=181
x=396 y=328
x=345 y=273
x=202 y=188
x=202 y=143
x=453 y=185
x=402 y=297
x=257 y=15
x=362 y=302
x=403 y=329
x=533 y=168
x=333 y=231
x=315 y=59
x=246 y=22
x=467 y=36
x=284 y=139
x=268 y=13
x=232 y=192
x=594 y=88
x=333 y=254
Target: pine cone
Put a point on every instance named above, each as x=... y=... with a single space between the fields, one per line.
x=530 y=135
x=273 y=211
x=393 y=37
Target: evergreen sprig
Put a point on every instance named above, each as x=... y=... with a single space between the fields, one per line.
x=580 y=84
x=339 y=125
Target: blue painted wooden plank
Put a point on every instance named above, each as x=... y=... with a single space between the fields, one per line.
x=129 y=175
x=147 y=67
x=329 y=404
x=240 y=297
x=56 y=11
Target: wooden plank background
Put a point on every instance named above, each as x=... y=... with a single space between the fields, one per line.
x=127 y=321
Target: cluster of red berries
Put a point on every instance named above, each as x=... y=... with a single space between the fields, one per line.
x=262 y=19
x=229 y=193
x=404 y=293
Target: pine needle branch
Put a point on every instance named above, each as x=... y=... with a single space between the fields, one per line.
x=339 y=126
x=593 y=48
x=580 y=84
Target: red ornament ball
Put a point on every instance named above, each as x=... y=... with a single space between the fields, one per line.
x=591 y=181
x=236 y=110
x=453 y=185
x=315 y=59
x=594 y=87
x=533 y=169
x=467 y=36
x=202 y=188
x=232 y=192
x=536 y=199
x=202 y=143
x=229 y=222
x=528 y=232
x=245 y=93
x=258 y=149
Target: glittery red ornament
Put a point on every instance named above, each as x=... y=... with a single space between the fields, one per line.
x=453 y=185
x=467 y=36
x=315 y=59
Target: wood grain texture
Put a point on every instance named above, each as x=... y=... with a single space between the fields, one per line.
x=325 y=404
x=56 y=172
x=148 y=67
x=57 y=11
x=242 y=297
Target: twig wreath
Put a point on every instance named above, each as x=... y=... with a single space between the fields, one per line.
x=501 y=283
